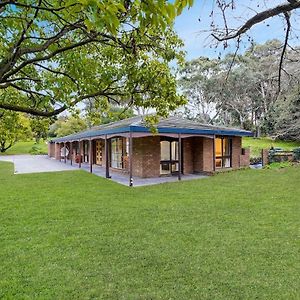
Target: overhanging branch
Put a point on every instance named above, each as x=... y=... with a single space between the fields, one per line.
x=260 y=17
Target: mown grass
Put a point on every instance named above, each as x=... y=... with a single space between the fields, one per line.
x=72 y=235
x=25 y=147
x=257 y=144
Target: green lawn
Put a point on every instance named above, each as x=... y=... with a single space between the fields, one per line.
x=256 y=144
x=25 y=147
x=72 y=235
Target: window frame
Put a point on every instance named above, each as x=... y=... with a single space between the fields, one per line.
x=121 y=161
x=172 y=161
x=224 y=156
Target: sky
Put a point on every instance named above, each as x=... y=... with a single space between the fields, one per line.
x=197 y=41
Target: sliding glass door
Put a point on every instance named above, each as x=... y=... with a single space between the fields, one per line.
x=223 y=149
x=169 y=162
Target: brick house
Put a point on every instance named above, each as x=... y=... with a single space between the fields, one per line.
x=179 y=147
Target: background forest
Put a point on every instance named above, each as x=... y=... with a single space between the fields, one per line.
x=243 y=91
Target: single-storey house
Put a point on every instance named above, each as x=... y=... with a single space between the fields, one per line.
x=178 y=147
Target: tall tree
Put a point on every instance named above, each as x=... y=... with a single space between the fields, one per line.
x=55 y=54
x=66 y=125
x=287 y=124
x=13 y=127
x=39 y=127
x=244 y=92
x=197 y=81
x=233 y=20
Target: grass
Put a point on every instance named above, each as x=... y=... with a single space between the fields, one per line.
x=25 y=147
x=257 y=144
x=72 y=235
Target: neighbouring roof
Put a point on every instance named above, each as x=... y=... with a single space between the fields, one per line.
x=168 y=125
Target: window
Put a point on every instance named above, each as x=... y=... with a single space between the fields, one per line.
x=223 y=152
x=165 y=150
x=85 y=151
x=117 y=153
x=168 y=157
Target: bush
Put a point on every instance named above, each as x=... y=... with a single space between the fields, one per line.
x=36 y=150
x=279 y=165
x=297 y=154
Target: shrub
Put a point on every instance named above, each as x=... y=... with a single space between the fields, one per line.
x=297 y=154
x=36 y=150
x=279 y=165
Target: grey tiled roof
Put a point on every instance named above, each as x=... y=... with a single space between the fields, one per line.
x=168 y=125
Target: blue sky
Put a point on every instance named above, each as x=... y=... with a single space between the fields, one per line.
x=197 y=41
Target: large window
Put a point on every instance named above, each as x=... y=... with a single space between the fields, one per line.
x=223 y=152
x=85 y=151
x=117 y=153
x=168 y=157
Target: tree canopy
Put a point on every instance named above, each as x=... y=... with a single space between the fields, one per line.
x=13 y=127
x=233 y=20
x=244 y=93
x=55 y=54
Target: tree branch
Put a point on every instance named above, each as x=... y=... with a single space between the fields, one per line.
x=39 y=7
x=288 y=22
x=260 y=17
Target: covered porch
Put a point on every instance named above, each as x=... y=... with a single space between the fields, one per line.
x=178 y=148
x=140 y=158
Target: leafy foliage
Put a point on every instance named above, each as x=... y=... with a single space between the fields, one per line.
x=242 y=90
x=288 y=122
x=13 y=126
x=67 y=125
x=36 y=149
x=113 y=113
x=39 y=127
x=57 y=54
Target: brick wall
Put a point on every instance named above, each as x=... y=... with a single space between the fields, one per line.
x=73 y=152
x=208 y=155
x=197 y=149
x=51 y=149
x=187 y=154
x=236 y=151
x=245 y=158
x=57 y=151
x=146 y=156
x=265 y=156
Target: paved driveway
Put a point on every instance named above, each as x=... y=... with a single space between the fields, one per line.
x=35 y=164
x=42 y=163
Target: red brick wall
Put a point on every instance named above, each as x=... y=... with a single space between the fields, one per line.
x=265 y=156
x=73 y=153
x=245 y=158
x=197 y=149
x=236 y=151
x=57 y=151
x=51 y=149
x=187 y=154
x=197 y=156
x=208 y=155
x=146 y=156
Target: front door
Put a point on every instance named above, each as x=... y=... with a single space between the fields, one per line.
x=99 y=152
x=169 y=161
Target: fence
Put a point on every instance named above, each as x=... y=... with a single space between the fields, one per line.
x=278 y=155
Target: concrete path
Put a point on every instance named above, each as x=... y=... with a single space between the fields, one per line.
x=35 y=164
x=138 y=181
x=42 y=163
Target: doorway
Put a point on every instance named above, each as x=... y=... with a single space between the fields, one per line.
x=99 y=152
x=169 y=157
